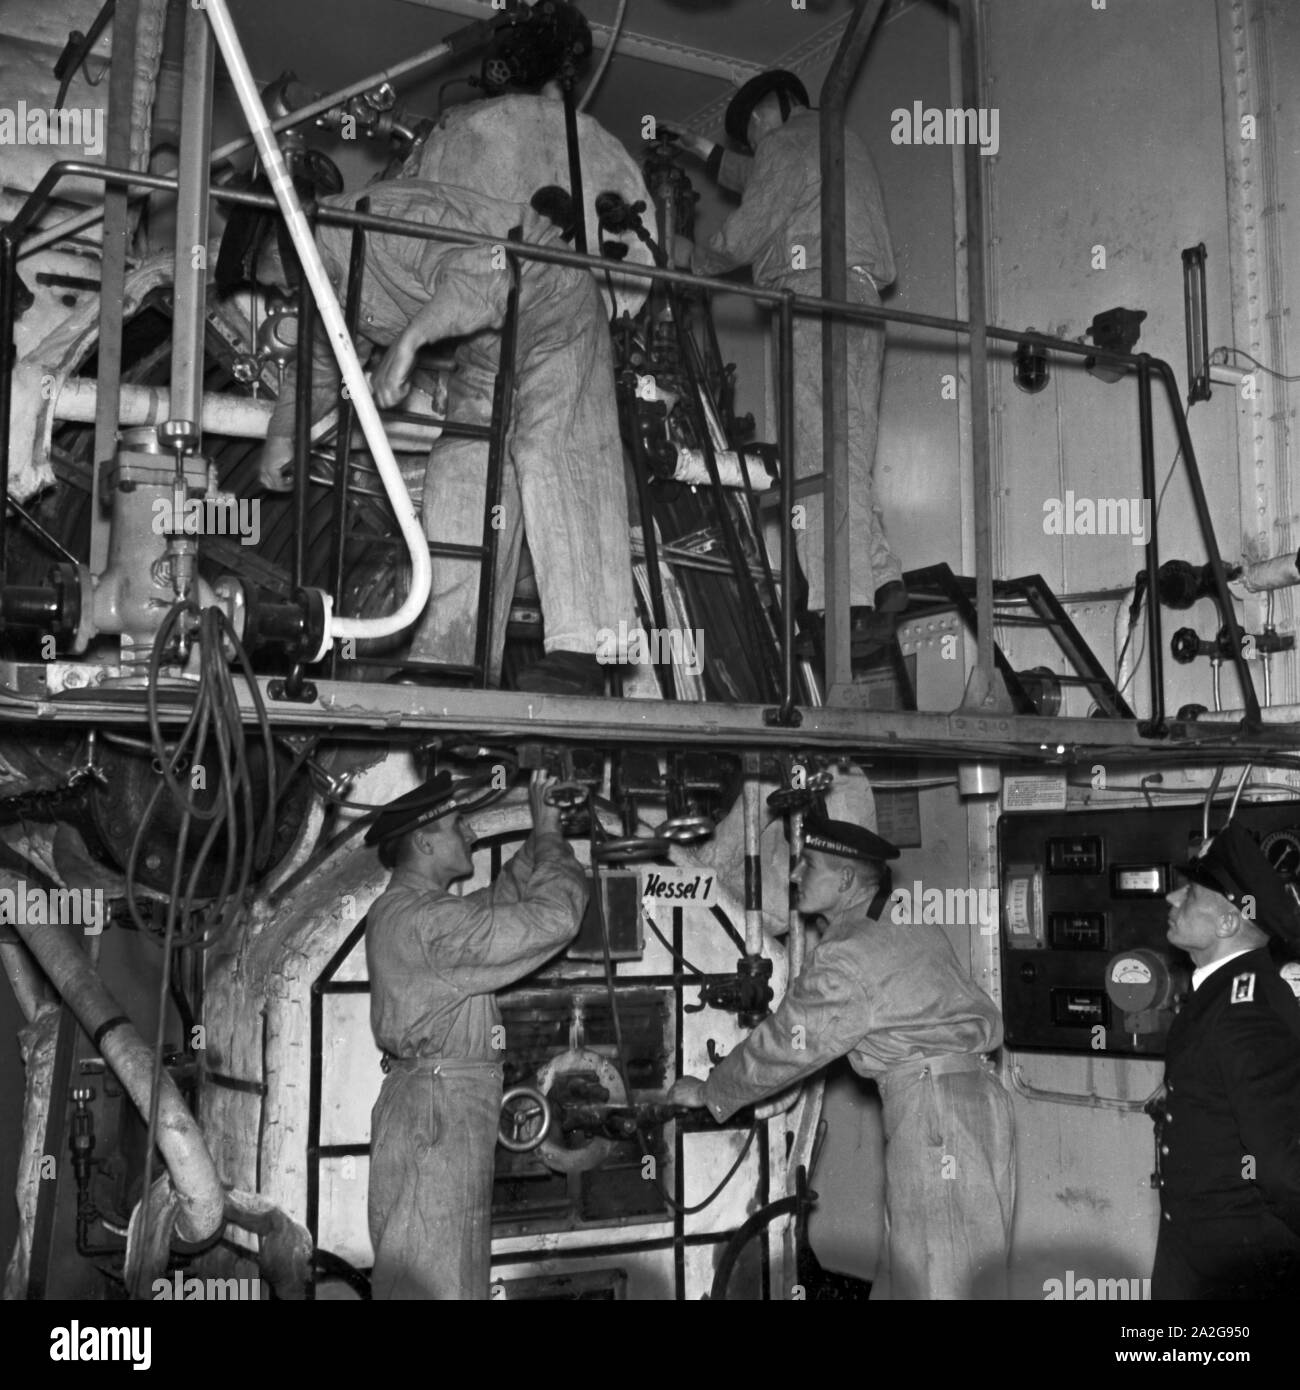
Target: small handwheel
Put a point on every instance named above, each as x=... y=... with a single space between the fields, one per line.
x=791 y=799
x=525 y=1119
x=631 y=849
x=567 y=795
x=685 y=830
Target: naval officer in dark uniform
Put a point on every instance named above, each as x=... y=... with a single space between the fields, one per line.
x=1229 y=1124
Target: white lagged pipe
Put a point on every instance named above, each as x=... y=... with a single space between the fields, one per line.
x=340 y=341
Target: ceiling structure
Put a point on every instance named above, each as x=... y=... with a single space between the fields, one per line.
x=675 y=59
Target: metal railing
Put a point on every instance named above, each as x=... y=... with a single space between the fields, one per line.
x=787 y=303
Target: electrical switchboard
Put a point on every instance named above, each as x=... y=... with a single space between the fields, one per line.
x=1085 y=963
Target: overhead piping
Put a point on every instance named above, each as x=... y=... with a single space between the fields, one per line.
x=335 y=330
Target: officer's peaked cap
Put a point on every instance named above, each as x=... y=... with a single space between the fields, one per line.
x=1232 y=864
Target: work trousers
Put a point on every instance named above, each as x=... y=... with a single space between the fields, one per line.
x=432 y=1146
x=860 y=522
x=949 y=1183
x=562 y=480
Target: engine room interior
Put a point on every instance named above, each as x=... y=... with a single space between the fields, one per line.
x=647 y=651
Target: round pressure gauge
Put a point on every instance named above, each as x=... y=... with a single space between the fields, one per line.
x=1282 y=850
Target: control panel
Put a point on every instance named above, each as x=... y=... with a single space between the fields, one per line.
x=1085 y=963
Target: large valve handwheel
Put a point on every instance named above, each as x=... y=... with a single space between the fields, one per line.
x=632 y=849
x=525 y=1119
x=685 y=830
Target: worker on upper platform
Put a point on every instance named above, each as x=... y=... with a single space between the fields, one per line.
x=562 y=480
x=776 y=231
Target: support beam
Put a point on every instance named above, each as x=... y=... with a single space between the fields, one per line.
x=985 y=690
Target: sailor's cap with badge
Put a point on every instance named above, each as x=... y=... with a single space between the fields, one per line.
x=1233 y=865
x=439 y=796
x=849 y=841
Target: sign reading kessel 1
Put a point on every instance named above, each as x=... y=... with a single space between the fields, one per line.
x=215 y=514
x=693 y=886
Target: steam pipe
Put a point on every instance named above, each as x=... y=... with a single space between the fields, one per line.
x=1155 y=653
x=786 y=714
x=190 y=275
x=190 y=1165
x=1226 y=607
x=987 y=688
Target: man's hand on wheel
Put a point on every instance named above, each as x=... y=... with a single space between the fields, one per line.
x=546 y=818
x=688 y=1091
x=275 y=465
x=392 y=379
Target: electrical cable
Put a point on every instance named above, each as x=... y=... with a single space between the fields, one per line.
x=1209 y=797
x=615 y=31
x=1271 y=371
x=668 y=946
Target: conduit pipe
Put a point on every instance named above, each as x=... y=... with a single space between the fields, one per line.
x=335 y=330
x=753 y=867
x=190 y=1166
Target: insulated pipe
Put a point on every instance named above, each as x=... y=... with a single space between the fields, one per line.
x=28 y=983
x=193 y=1173
x=336 y=331
x=237 y=417
x=835 y=392
x=753 y=803
x=1278 y=573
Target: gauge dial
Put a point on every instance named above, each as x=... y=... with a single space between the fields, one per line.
x=1282 y=850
